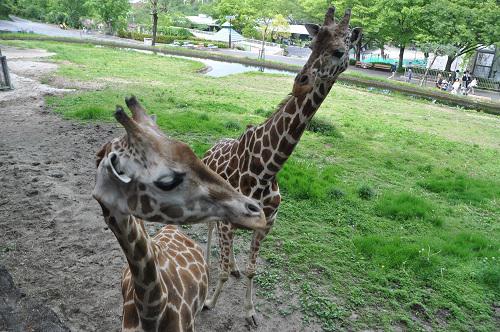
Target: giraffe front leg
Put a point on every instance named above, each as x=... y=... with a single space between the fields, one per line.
x=250 y=314
x=233 y=267
x=226 y=237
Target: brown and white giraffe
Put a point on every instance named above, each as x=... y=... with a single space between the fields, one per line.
x=146 y=175
x=250 y=163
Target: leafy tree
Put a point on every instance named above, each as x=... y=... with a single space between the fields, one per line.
x=112 y=12
x=400 y=22
x=6 y=8
x=465 y=24
x=437 y=50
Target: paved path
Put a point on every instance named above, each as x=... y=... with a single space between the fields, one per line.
x=19 y=24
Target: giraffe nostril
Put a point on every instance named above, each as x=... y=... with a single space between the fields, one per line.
x=253 y=208
x=338 y=54
x=304 y=79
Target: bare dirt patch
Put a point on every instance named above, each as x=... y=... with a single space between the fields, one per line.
x=53 y=240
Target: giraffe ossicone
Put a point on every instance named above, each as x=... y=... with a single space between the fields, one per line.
x=251 y=162
x=147 y=175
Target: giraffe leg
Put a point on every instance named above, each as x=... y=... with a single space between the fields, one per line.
x=233 y=267
x=226 y=236
x=250 y=314
x=211 y=226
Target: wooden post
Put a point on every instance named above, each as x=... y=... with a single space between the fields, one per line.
x=5 y=83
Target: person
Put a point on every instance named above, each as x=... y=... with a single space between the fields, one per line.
x=472 y=85
x=466 y=79
x=409 y=74
x=393 y=70
x=456 y=87
x=439 y=81
x=444 y=85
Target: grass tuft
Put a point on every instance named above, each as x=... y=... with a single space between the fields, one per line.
x=405 y=206
x=365 y=192
x=324 y=127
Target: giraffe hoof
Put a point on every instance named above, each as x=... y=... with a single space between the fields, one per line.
x=252 y=321
x=236 y=274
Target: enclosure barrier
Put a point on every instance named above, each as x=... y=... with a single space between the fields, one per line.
x=5 y=83
x=434 y=94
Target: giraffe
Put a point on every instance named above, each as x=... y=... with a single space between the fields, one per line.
x=146 y=175
x=250 y=163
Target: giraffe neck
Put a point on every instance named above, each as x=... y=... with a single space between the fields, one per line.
x=140 y=252
x=274 y=140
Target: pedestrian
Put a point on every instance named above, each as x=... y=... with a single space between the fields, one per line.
x=472 y=85
x=456 y=87
x=466 y=79
x=393 y=70
x=409 y=74
x=439 y=81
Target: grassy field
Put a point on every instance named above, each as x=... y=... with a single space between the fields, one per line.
x=391 y=205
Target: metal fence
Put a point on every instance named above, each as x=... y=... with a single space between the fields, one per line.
x=432 y=76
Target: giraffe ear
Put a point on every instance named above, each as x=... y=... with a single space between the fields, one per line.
x=113 y=165
x=312 y=29
x=356 y=35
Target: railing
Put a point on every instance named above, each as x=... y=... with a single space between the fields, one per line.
x=432 y=76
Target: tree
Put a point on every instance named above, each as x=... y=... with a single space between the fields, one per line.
x=112 y=12
x=6 y=7
x=465 y=24
x=400 y=21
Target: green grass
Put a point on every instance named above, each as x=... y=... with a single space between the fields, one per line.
x=390 y=204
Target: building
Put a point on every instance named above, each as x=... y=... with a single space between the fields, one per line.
x=486 y=63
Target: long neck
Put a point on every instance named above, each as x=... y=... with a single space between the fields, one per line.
x=140 y=252
x=271 y=143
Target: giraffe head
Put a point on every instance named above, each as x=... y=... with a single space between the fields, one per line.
x=330 y=46
x=155 y=178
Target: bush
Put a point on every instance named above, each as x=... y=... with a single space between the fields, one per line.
x=352 y=62
x=324 y=127
x=336 y=193
x=174 y=31
x=366 y=192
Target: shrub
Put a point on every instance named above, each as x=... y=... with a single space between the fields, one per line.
x=232 y=125
x=335 y=193
x=366 y=192
x=324 y=127
x=352 y=62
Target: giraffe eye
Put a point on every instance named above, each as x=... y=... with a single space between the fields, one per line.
x=169 y=182
x=338 y=53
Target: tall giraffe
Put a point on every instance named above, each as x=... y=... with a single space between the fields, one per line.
x=250 y=163
x=146 y=175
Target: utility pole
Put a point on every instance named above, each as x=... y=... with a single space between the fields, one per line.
x=5 y=83
x=230 y=17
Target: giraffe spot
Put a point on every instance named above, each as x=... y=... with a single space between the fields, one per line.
x=308 y=109
x=274 y=136
x=256 y=166
x=134 y=269
x=266 y=155
x=154 y=294
x=186 y=317
x=169 y=321
x=265 y=140
x=148 y=324
x=153 y=310
x=181 y=261
x=156 y=218
x=139 y=292
x=272 y=167
x=257 y=194
x=195 y=270
x=149 y=272
x=140 y=249
x=146 y=204
x=233 y=179
x=218 y=195
x=256 y=147
x=317 y=99
x=322 y=89
x=280 y=126
x=130 y=316
x=172 y=211
x=279 y=160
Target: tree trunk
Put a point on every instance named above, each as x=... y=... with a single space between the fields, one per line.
x=449 y=61
x=401 y=56
x=155 y=25
x=382 y=52
x=358 y=49
x=262 y=50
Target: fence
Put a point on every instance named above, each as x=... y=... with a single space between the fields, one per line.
x=432 y=76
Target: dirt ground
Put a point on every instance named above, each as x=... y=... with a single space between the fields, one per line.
x=53 y=240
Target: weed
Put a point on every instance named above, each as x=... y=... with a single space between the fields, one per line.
x=366 y=192
x=336 y=193
x=317 y=125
